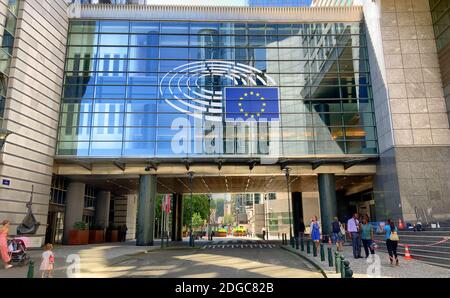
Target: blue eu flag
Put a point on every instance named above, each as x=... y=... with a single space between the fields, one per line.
x=259 y=103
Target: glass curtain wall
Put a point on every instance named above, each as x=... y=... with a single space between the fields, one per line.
x=7 y=45
x=118 y=101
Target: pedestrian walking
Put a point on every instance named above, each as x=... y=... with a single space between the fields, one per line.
x=315 y=231
x=337 y=236
x=4 y=244
x=391 y=241
x=264 y=232
x=353 y=229
x=47 y=261
x=367 y=236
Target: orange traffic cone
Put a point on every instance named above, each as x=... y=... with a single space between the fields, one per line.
x=407 y=253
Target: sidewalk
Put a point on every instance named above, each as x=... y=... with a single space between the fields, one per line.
x=94 y=258
x=373 y=266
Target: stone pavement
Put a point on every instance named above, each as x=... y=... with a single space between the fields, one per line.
x=92 y=257
x=377 y=266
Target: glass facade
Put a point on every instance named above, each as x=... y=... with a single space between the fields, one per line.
x=157 y=89
x=7 y=45
x=440 y=13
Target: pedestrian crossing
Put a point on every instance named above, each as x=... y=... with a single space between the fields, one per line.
x=238 y=245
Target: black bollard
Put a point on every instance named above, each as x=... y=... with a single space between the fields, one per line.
x=296 y=243
x=308 y=246
x=342 y=267
x=337 y=261
x=330 y=257
x=322 y=253
x=348 y=273
x=302 y=244
x=314 y=249
x=30 y=273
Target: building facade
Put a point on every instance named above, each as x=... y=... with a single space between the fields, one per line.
x=112 y=102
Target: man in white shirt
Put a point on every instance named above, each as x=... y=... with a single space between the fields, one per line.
x=353 y=229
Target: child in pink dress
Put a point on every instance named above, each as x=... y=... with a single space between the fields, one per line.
x=4 y=244
x=48 y=259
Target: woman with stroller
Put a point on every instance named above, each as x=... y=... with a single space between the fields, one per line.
x=4 y=244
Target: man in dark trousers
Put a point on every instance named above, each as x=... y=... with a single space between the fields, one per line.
x=353 y=228
x=301 y=229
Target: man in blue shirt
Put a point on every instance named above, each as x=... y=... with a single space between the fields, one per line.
x=353 y=229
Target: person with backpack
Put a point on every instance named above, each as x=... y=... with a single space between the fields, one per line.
x=337 y=236
x=392 y=241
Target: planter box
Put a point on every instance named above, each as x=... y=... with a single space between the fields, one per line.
x=78 y=237
x=112 y=236
x=96 y=236
x=239 y=234
x=220 y=234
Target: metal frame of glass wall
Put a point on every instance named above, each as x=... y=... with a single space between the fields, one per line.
x=112 y=107
x=7 y=45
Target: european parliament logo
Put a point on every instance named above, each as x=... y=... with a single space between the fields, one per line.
x=252 y=103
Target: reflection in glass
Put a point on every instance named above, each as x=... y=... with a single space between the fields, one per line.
x=116 y=101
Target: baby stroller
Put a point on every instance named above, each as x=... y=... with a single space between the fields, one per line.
x=18 y=252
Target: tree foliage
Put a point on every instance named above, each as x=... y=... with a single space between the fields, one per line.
x=200 y=205
x=197 y=220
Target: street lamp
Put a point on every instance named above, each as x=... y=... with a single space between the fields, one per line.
x=4 y=133
x=288 y=182
x=191 y=236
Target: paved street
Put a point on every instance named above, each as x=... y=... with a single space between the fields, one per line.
x=226 y=262
x=221 y=258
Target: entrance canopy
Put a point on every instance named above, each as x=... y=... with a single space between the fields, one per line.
x=217 y=176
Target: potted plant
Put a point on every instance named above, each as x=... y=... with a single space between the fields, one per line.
x=80 y=234
x=239 y=232
x=221 y=233
x=112 y=233
x=96 y=234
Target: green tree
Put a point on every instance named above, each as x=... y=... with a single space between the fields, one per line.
x=200 y=204
x=197 y=220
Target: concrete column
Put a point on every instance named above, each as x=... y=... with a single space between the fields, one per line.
x=328 y=203
x=146 y=210
x=131 y=216
x=297 y=211
x=74 y=207
x=102 y=208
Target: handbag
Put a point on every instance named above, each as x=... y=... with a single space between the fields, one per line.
x=51 y=259
x=394 y=236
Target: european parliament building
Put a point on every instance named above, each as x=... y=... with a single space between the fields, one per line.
x=342 y=104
